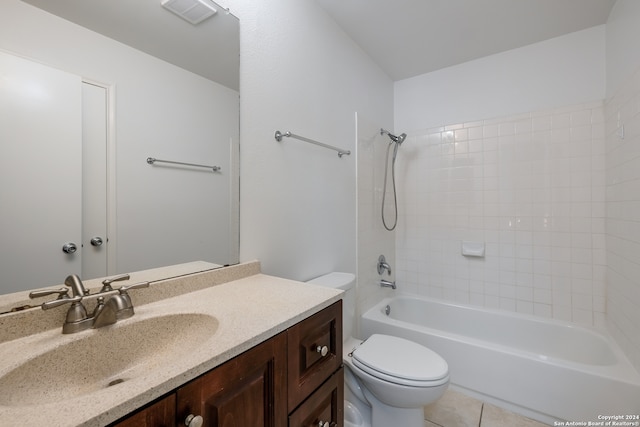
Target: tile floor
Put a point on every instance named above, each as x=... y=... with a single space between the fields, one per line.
x=455 y=409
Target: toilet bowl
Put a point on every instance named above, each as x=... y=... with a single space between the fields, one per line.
x=388 y=379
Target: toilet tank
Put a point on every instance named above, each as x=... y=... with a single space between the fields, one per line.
x=345 y=282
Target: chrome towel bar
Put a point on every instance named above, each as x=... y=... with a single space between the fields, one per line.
x=340 y=151
x=151 y=161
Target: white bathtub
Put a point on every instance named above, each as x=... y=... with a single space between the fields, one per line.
x=544 y=369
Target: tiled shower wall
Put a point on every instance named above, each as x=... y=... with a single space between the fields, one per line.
x=532 y=189
x=623 y=217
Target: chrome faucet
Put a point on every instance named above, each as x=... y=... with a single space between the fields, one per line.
x=382 y=265
x=77 y=288
x=116 y=308
x=387 y=284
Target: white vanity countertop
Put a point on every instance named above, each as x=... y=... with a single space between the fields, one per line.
x=249 y=311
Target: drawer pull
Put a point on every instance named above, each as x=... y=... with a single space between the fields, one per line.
x=323 y=350
x=193 y=421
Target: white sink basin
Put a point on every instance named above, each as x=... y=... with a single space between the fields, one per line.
x=104 y=358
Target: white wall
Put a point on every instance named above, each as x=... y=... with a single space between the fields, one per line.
x=622 y=113
x=301 y=73
x=561 y=71
x=154 y=117
x=623 y=51
x=623 y=216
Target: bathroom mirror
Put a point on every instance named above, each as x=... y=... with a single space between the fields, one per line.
x=145 y=83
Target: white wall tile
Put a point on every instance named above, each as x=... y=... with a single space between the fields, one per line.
x=524 y=185
x=622 y=239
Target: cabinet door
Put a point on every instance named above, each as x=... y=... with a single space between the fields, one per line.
x=324 y=406
x=159 y=414
x=315 y=352
x=247 y=391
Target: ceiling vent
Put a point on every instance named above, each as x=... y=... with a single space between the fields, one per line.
x=194 y=11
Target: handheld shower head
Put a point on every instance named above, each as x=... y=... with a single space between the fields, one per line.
x=397 y=139
x=400 y=138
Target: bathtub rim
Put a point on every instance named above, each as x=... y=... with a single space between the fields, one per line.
x=622 y=370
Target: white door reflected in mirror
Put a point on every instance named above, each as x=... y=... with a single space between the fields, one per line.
x=40 y=118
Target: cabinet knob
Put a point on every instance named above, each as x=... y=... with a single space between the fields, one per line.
x=323 y=350
x=323 y=424
x=194 y=421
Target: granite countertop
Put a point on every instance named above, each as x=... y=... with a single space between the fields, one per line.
x=248 y=311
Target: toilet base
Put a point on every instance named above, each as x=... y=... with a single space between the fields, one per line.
x=357 y=413
x=383 y=415
x=353 y=417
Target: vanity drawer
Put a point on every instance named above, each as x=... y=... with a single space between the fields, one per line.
x=326 y=405
x=308 y=340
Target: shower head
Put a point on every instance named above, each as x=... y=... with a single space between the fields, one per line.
x=397 y=139
x=400 y=138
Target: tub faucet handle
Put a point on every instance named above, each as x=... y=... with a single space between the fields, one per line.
x=382 y=265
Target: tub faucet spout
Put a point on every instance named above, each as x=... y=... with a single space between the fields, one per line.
x=388 y=284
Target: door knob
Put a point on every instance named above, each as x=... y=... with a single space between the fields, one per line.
x=69 y=248
x=96 y=241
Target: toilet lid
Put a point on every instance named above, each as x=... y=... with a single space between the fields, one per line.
x=400 y=358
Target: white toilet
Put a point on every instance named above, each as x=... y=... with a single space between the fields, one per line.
x=388 y=379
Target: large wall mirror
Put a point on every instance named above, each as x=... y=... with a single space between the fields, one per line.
x=89 y=91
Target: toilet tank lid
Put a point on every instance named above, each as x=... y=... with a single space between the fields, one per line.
x=337 y=280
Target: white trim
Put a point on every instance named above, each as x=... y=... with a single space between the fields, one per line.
x=110 y=89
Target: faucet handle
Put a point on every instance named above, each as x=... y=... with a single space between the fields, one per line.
x=62 y=293
x=106 y=283
x=382 y=265
x=124 y=306
x=58 y=302
x=138 y=285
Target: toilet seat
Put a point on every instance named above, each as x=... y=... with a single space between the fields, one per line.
x=400 y=361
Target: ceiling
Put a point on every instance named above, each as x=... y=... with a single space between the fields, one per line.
x=210 y=49
x=412 y=37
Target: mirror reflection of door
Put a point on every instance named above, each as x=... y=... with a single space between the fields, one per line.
x=40 y=126
x=57 y=124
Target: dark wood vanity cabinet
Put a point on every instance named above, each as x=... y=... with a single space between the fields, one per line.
x=249 y=390
x=161 y=413
x=294 y=379
x=324 y=407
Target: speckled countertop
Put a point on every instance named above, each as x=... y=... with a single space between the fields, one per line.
x=176 y=346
